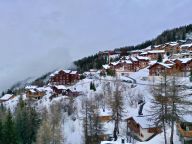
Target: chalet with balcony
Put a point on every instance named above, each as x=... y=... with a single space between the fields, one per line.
x=154 y=54
x=183 y=65
x=64 y=77
x=141 y=128
x=184 y=129
x=135 y=62
x=136 y=53
x=35 y=94
x=143 y=61
x=159 y=68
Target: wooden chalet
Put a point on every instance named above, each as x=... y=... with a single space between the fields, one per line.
x=184 y=129
x=62 y=90
x=172 y=48
x=64 y=77
x=35 y=93
x=136 y=53
x=183 y=65
x=6 y=97
x=141 y=128
x=135 y=62
x=159 y=68
x=143 y=61
x=154 y=54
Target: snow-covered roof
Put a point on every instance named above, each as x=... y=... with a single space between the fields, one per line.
x=144 y=53
x=30 y=87
x=6 y=97
x=32 y=90
x=113 y=142
x=143 y=121
x=142 y=58
x=156 y=51
x=186 y=45
x=126 y=61
x=67 y=71
x=73 y=72
x=185 y=60
x=106 y=66
x=62 y=87
x=135 y=51
x=163 y=64
x=187 y=118
x=56 y=72
x=156 y=46
x=115 y=63
x=172 y=43
x=148 y=48
x=105 y=113
x=53 y=74
x=134 y=59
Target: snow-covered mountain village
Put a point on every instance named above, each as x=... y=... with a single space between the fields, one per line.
x=96 y=72
x=141 y=97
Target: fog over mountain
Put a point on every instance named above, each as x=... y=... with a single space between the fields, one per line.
x=37 y=36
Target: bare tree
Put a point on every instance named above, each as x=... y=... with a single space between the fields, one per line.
x=159 y=105
x=116 y=105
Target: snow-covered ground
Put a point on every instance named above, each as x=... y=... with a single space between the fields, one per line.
x=73 y=129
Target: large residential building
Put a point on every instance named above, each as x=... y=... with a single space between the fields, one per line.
x=64 y=77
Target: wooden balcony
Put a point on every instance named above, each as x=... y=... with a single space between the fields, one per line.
x=184 y=133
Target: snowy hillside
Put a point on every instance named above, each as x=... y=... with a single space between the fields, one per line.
x=134 y=88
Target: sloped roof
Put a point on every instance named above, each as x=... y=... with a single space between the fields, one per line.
x=106 y=66
x=6 y=97
x=142 y=58
x=143 y=121
x=162 y=64
x=156 y=51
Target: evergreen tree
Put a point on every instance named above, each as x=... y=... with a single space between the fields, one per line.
x=1 y=132
x=159 y=59
x=93 y=87
x=9 y=130
x=27 y=123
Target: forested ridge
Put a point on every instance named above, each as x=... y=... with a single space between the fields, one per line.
x=175 y=34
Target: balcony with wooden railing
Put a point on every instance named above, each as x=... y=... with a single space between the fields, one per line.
x=183 y=132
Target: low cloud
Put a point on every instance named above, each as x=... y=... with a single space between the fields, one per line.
x=42 y=35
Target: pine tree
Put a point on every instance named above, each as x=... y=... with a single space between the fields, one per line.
x=9 y=130
x=1 y=132
x=116 y=104
x=159 y=58
x=93 y=87
x=27 y=123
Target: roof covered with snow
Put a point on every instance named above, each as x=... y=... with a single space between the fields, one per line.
x=186 y=45
x=185 y=60
x=65 y=71
x=156 y=51
x=61 y=87
x=6 y=97
x=162 y=64
x=106 y=66
x=142 y=58
x=143 y=121
x=187 y=118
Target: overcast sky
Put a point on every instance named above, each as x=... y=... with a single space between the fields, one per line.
x=37 y=36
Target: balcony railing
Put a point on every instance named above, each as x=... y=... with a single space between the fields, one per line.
x=183 y=132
